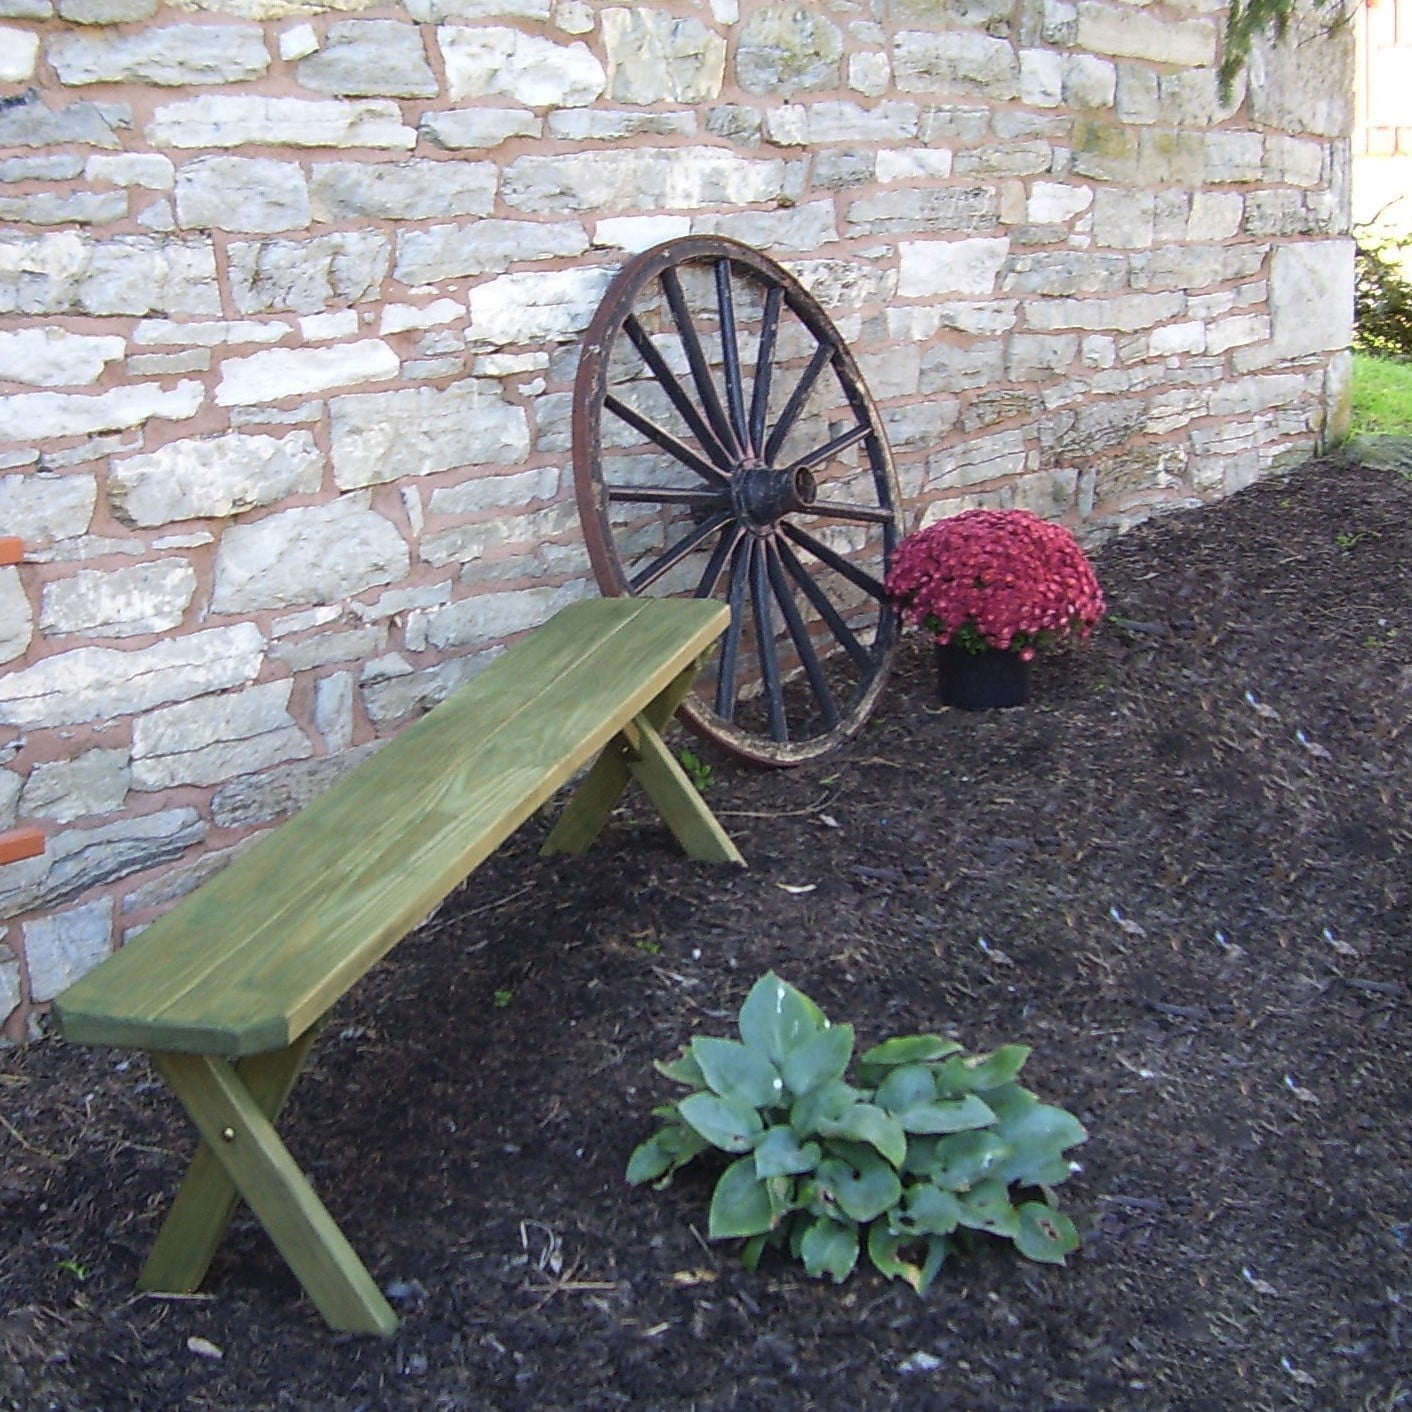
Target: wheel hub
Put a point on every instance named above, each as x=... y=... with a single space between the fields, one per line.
x=763 y=495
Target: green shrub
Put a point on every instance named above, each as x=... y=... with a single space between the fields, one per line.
x=927 y=1148
x=1382 y=300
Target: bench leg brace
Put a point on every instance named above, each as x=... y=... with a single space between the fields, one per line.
x=241 y=1155
x=638 y=752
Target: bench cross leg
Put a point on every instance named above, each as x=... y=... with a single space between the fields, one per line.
x=232 y=1107
x=638 y=752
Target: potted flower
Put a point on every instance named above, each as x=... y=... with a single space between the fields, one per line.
x=992 y=587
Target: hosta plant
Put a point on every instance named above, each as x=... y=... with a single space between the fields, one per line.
x=924 y=1147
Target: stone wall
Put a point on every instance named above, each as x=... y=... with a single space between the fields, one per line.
x=289 y=302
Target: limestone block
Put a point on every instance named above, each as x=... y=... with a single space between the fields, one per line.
x=1234 y=156
x=845 y=284
x=182 y=879
x=1294 y=160
x=61 y=168
x=277 y=793
x=975 y=317
x=311 y=554
x=305 y=276
x=640 y=179
x=250 y=195
x=370 y=59
x=1139 y=97
x=226 y=121
x=1041 y=77
x=1127 y=313
x=952 y=208
x=951 y=61
x=614 y=125
x=1236 y=332
x=215 y=738
x=213 y=477
x=128 y=602
x=106 y=12
x=962 y=368
x=419 y=431
x=639 y=232
x=1293 y=91
x=38 y=416
x=19 y=49
x=1173 y=158
x=1141 y=469
x=979 y=459
x=1032 y=357
x=322 y=328
x=1195 y=266
x=1056 y=203
x=1089 y=82
x=734 y=122
x=1004 y=404
x=1108 y=151
x=1191 y=98
x=912 y=165
x=1123 y=219
x=1311 y=297
x=333 y=711
x=439 y=11
x=1214 y=215
x=54 y=357
x=94 y=683
x=479 y=127
x=9 y=992
x=1131 y=33
x=16 y=615
x=849 y=122
x=406 y=191
x=297 y=42
x=486 y=492
x=41 y=507
x=1079 y=433
x=170 y=56
x=30 y=122
x=526 y=68
x=536 y=308
x=95 y=782
x=275 y=373
x=788 y=48
x=398 y=318
x=393 y=699
x=870 y=74
x=207 y=334
x=53 y=208
x=653 y=57
x=1066 y=272
x=931 y=267
x=322 y=649
x=447 y=252
x=1284 y=213
x=1013 y=159
x=489 y=617
x=798 y=228
x=1188 y=336
x=149 y=170
x=960 y=123
x=62 y=947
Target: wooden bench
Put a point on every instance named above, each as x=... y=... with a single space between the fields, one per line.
x=227 y=990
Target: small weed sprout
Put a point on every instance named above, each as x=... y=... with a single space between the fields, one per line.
x=698 y=771
x=502 y=998
x=926 y=1149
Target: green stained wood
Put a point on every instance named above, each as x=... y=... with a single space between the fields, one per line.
x=246 y=1145
x=262 y=950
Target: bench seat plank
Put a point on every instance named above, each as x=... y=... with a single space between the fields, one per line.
x=264 y=949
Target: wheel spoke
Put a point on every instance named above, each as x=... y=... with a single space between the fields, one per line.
x=830 y=449
x=662 y=495
x=859 y=577
x=765 y=645
x=669 y=383
x=730 y=645
x=716 y=566
x=730 y=357
x=803 y=643
x=663 y=438
x=842 y=510
x=843 y=634
x=673 y=556
x=764 y=367
x=696 y=359
x=797 y=399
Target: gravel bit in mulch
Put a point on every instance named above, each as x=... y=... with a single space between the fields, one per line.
x=1181 y=874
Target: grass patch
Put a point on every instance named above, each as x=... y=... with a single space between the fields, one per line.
x=1382 y=396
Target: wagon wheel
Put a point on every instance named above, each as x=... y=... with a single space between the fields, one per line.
x=725 y=446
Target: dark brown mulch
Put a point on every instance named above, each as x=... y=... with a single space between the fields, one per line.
x=1182 y=875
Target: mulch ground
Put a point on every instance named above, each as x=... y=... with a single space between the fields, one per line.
x=1181 y=875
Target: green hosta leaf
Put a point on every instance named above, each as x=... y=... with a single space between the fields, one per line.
x=821 y=1105
x=664 y=1152
x=734 y=1071
x=828 y=1248
x=819 y=1060
x=885 y=1250
x=909 y=1049
x=905 y=1087
x=728 y=1123
x=1037 y=1136
x=977 y=1072
x=1009 y=1100
x=986 y=1207
x=776 y=1017
x=927 y=1210
x=953 y=1117
x=780 y=1154
x=963 y=1159
x=1044 y=1233
x=742 y=1205
x=863 y=1191
x=865 y=1123
x=683 y=1070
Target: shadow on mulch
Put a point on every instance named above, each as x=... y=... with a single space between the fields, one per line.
x=1188 y=860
